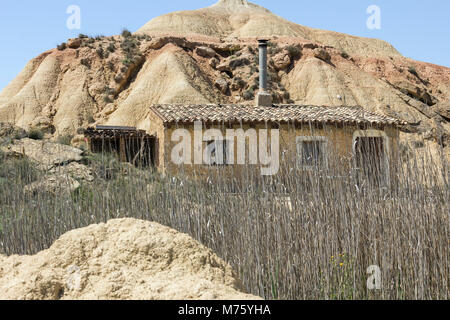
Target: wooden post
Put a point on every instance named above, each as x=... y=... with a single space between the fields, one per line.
x=123 y=152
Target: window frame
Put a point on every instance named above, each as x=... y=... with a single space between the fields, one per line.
x=324 y=143
x=225 y=146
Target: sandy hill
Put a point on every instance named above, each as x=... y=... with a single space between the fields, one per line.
x=242 y=19
x=209 y=55
x=122 y=259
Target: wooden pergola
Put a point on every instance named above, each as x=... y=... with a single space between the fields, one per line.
x=129 y=142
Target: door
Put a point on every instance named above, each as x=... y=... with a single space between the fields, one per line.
x=370 y=157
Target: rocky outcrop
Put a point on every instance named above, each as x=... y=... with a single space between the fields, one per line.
x=44 y=153
x=205 y=52
x=282 y=60
x=322 y=54
x=54 y=183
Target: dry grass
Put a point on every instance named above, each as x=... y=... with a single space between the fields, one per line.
x=321 y=249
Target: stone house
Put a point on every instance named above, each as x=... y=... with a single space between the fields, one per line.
x=312 y=136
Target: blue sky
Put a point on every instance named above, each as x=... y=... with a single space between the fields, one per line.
x=418 y=29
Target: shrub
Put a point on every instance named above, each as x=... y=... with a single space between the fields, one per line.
x=111 y=47
x=36 y=134
x=107 y=99
x=413 y=71
x=100 y=52
x=249 y=94
x=294 y=51
x=126 y=33
x=65 y=139
x=86 y=63
x=83 y=36
x=109 y=91
x=62 y=46
x=344 y=55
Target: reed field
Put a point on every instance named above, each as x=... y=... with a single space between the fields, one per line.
x=302 y=234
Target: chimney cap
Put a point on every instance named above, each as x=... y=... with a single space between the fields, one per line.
x=263 y=40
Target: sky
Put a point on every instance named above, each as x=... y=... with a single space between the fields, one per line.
x=418 y=29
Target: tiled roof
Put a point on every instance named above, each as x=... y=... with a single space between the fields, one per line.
x=276 y=113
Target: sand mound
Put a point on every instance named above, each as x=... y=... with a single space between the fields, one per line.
x=122 y=259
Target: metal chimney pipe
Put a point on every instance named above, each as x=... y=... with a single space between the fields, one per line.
x=262 y=65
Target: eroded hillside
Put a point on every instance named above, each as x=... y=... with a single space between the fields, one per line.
x=113 y=80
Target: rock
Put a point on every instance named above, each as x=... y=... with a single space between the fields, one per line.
x=205 y=52
x=109 y=109
x=45 y=154
x=43 y=123
x=418 y=93
x=213 y=63
x=9 y=130
x=322 y=54
x=222 y=85
x=74 y=43
x=281 y=60
x=443 y=109
x=238 y=83
x=55 y=183
x=241 y=61
x=156 y=43
x=75 y=170
x=123 y=259
x=224 y=67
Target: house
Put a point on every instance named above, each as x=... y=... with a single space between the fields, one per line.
x=196 y=138
x=308 y=134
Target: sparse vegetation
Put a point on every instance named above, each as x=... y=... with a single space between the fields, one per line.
x=36 y=134
x=65 y=139
x=344 y=55
x=86 y=63
x=62 y=46
x=294 y=51
x=300 y=235
x=126 y=33
x=413 y=71
x=249 y=94
x=100 y=52
x=111 y=47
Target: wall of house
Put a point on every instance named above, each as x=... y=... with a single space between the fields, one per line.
x=157 y=129
x=340 y=144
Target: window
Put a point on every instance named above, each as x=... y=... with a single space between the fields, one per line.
x=370 y=150
x=216 y=152
x=312 y=152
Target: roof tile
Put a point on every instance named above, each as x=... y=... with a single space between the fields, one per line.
x=170 y=113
